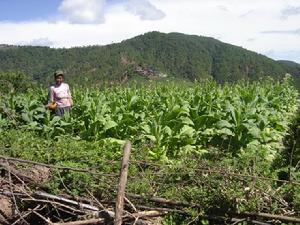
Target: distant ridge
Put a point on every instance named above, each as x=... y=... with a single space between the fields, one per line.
x=151 y=55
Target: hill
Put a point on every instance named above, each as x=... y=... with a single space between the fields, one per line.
x=292 y=68
x=151 y=56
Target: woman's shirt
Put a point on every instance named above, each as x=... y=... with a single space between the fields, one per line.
x=60 y=94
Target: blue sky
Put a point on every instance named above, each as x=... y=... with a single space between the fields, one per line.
x=24 y=10
x=270 y=27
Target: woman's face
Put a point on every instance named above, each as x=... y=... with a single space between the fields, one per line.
x=59 y=79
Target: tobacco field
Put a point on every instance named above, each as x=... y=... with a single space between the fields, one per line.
x=230 y=148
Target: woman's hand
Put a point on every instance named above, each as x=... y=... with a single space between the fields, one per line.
x=71 y=101
x=51 y=105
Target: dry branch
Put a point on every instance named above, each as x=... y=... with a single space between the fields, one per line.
x=160 y=200
x=273 y=217
x=83 y=222
x=14 y=182
x=11 y=170
x=56 y=167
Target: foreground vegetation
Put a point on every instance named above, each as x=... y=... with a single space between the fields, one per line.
x=179 y=135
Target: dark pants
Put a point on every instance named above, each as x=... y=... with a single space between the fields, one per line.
x=60 y=111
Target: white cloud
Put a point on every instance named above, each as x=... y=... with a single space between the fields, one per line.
x=38 y=42
x=246 y=14
x=83 y=11
x=222 y=7
x=144 y=9
x=292 y=32
x=290 y=11
x=205 y=18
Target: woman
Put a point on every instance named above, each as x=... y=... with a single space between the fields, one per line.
x=60 y=98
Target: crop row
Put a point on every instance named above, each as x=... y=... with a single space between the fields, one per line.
x=244 y=118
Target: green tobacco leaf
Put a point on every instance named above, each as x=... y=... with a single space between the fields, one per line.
x=187 y=131
x=167 y=130
x=133 y=100
x=26 y=118
x=55 y=120
x=151 y=137
x=146 y=129
x=110 y=124
x=115 y=140
x=187 y=121
x=225 y=131
x=224 y=123
x=255 y=132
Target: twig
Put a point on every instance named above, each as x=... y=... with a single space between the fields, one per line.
x=160 y=200
x=271 y=216
x=130 y=203
x=43 y=218
x=8 y=193
x=61 y=180
x=65 y=200
x=55 y=203
x=83 y=222
x=162 y=209
x=7 y=167
x=195 y=219
x=3 y=220
x=238 y=221
x=57 y=167
x=23 y=183
x=95 y=199
x=13 y=196
x=147 y=214
x=26 y=214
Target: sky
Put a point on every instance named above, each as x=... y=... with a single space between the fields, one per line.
x=269 y=27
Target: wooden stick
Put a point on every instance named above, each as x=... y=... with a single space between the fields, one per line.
x=159 y=200
x=274 y=217
x=65 y=200
x=82 y=222
x=82 y=206
x=130 y=203
x=147 y=214
x=3 y=220
x=13 y=196
x=122 y=184
x=142 y=207
x=26 y=214
x=53 y=203
x=43 y=218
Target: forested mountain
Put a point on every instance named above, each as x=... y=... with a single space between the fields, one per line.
x=151 y=55
x=292 y=68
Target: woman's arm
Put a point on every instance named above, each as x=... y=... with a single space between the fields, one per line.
x=50 y=95
x=70 y=96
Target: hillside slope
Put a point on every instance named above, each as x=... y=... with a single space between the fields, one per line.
x=292 y=68
x=150 y=55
